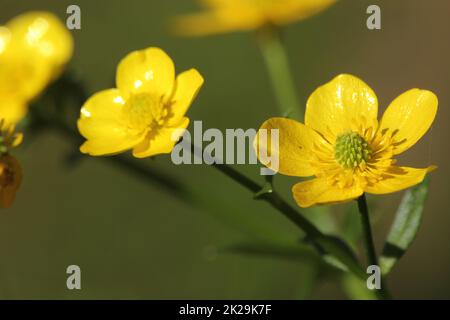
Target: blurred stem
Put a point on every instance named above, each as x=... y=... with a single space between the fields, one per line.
x=151 y=175
x=277 y=63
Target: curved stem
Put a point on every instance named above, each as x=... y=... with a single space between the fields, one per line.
x=277 y=63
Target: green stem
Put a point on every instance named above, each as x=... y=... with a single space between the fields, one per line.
x=369 y=243
x=271 y=197
x=277 y=63
x=367 y=231
x=323 y=243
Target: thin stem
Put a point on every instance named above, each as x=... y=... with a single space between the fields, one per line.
x=277 y=63
x=367 y=230
x=271 y=197
x=323 y=243
x=369 y=243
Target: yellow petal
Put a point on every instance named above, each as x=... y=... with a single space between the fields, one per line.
x=295 y=151
x=12 y=110
x=187 y=87
x=398 y=178
x=102 y=125
x=161 y=141
x=22 y=77
x=244 y=15
x=410 y=116
x=33 y=48
x=41 y=34
x=223 y=20
x=5 y=39
x=150 y=70
x=334 y=107
x=287 y=11
x=320 y=191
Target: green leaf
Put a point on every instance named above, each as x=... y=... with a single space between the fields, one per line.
x=406 y=224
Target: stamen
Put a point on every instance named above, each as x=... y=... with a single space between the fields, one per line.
x=144 y=111
x=351 y=150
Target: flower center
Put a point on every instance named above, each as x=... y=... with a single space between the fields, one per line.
x=143 y=110
x=350 y=150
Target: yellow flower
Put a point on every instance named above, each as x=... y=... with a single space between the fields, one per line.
x=10 y=170
x=224 y=16
x=33 y=49
x=344 y=146
x=146 y=111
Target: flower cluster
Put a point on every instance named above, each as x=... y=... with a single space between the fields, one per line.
x=33 y=49
x=342 y=148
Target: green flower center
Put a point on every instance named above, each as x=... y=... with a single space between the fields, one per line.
x=143 y=110
x=350 y=150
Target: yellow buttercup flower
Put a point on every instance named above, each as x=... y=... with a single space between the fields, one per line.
x=224 y=16
x=344 y=146
x=10 y=169
x=145 y=112
x=33 y=49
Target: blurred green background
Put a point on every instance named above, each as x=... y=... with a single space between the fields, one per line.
x=133 y=240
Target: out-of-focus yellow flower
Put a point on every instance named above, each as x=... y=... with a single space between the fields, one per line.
x=34 y=47
x=10 y=170
x=344 y=146
x=224 y=16
x=146 y=110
